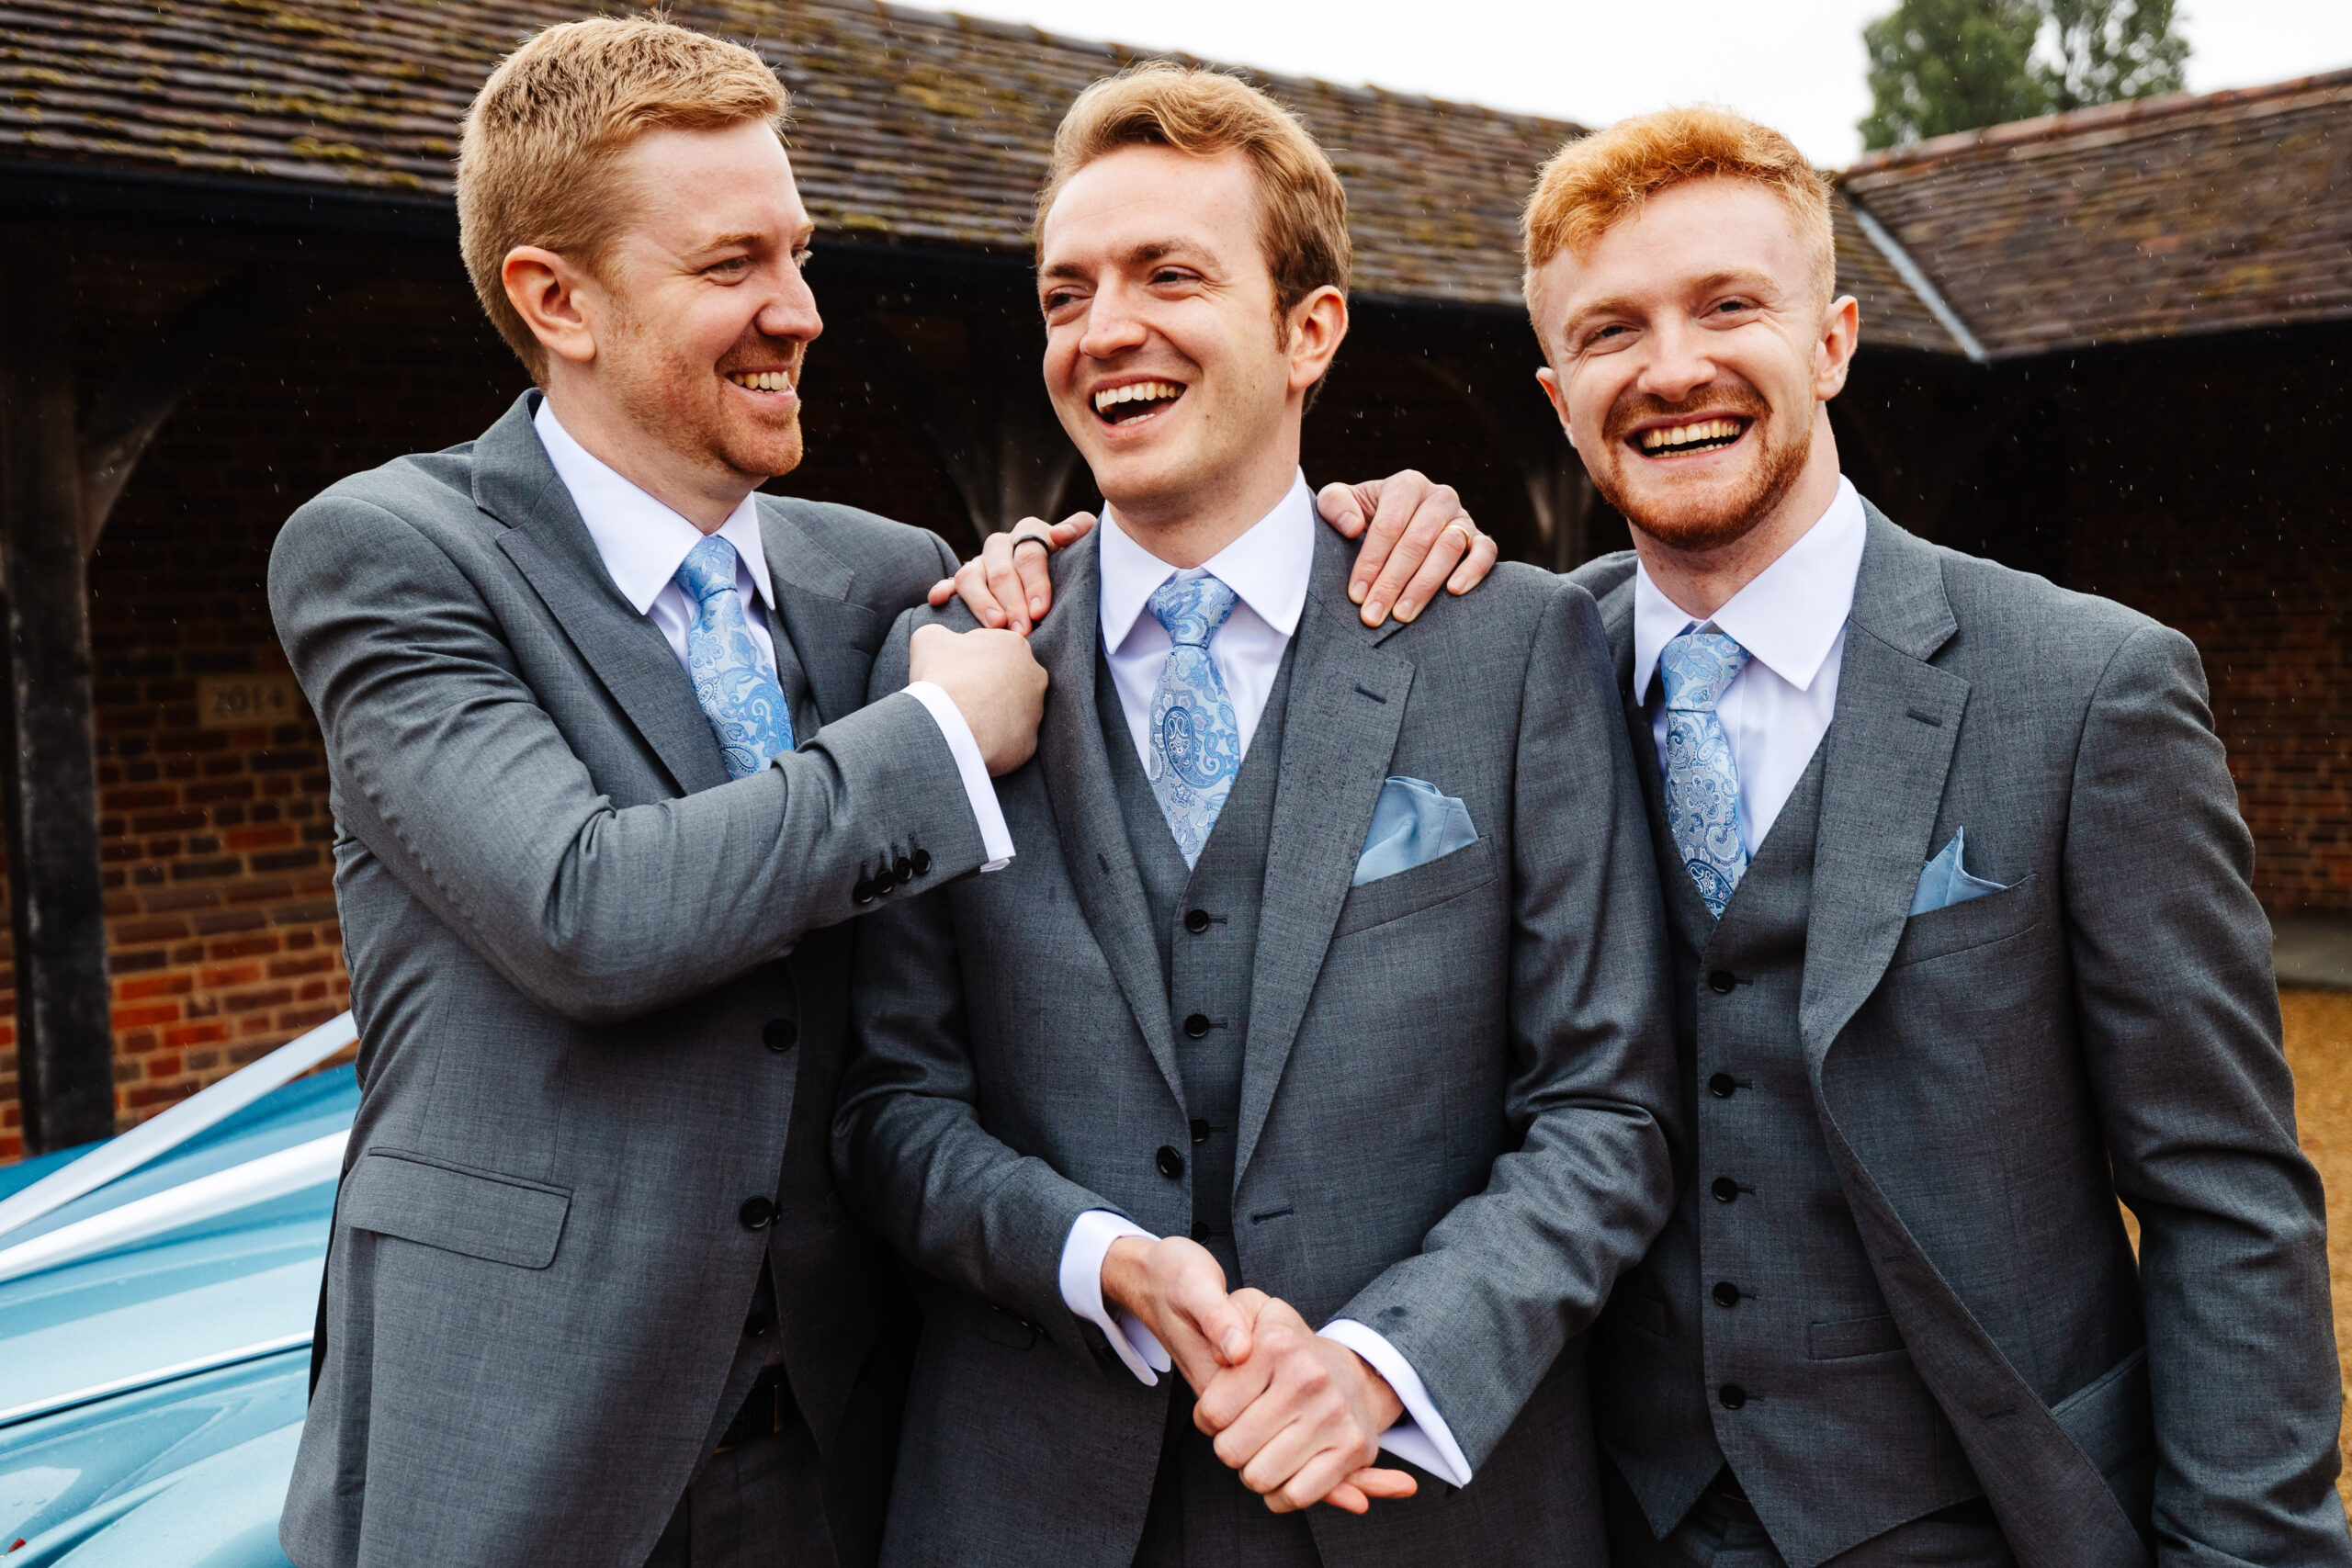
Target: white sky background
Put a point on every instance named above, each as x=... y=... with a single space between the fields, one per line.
x=1795 y=64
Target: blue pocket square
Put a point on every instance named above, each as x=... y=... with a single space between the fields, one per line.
x=1412 y=824
x=1946 y=881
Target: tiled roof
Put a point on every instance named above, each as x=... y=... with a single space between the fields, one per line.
x=914 y=126
x=2157 y=218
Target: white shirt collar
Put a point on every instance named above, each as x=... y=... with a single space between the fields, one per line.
x=1788 y=617
x=1268 y=567
x=642 y=542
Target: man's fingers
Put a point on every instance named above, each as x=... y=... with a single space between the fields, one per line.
x=1474 y=570
x=1447 y=551
x=1004 y=580
x=1221 y=1324
x=1344 y=506
x=941 y=592
x=972 y=583
x=1344 y=1496
x=1414 y=543
x=1374 y=1482
x=1401 y=497
x=1073 y=529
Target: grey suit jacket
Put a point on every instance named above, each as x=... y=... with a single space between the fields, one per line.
x=585 y=1048
x=1991 y=1076
x=1455 y=1083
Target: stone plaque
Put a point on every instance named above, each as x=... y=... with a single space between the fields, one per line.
x=234 y=701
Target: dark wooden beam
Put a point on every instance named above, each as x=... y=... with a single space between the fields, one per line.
x=64 y=1031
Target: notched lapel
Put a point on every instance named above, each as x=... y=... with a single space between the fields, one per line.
x=1076 y=773
x=1346 y=707
x=1890 y=751
x=834 y=639
x=550 y=545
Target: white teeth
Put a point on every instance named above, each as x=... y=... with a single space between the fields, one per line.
x=761 y=380
x=1145 y=390
x=1684 y=434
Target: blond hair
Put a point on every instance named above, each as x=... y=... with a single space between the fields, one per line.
x=1591 y=184
x=1304 y=216
x=539 y=162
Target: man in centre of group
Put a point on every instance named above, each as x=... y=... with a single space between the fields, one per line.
x=1331 y=957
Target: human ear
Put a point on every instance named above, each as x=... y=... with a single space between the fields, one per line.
x=1317 y=324
x=545 y=290
x=1558 y=396
x=1842 y=330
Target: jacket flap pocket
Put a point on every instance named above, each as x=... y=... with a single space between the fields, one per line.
x=1410 y=892
x=2111 y=1418
x=1853 y=1336
x=1977 y=922
x=501 y=1218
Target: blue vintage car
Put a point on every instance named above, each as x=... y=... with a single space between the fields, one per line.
x=157 y=1292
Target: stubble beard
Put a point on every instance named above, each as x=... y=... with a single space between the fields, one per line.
x=677 y=401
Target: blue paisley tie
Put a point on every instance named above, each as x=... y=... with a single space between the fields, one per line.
x=1195 y=738
x=734 y=682
x=1702 y=780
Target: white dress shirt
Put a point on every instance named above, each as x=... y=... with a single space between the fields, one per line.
x=643 y=543
x=1269 y=569
x=1792 y=619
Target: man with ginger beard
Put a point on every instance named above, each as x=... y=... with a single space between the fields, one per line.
x=1964 y=951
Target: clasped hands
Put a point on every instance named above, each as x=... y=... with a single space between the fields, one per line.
x=1298 y=1416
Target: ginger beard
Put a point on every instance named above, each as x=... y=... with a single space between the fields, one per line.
x=1703 y=510
x=699 y=407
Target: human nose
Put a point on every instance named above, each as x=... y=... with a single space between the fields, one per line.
x=790 y=310
x=1676 y=364
x=1112 y=326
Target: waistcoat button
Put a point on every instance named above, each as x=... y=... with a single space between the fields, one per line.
x=1721 y=981
x=1731 y=1396
x=1723 y=1086
x=1172 y=1164
x=1197 y=1026
x=1196 y=921
x=757 y=1213
x=1726 y=1294
x=779 y=1034
x=1725 y=1190
x=1200 y=1131
x=1201 y=1231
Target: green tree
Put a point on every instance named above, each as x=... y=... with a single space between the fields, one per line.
x=2102 y=51
x=1938 y=66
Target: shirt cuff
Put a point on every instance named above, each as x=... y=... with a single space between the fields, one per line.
x=996 y=839
x=1422 y=1437
x=1090 y=1235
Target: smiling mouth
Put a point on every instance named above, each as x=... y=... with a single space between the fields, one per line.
x=1135 y=402
x=763 y=380
x=1682 y=440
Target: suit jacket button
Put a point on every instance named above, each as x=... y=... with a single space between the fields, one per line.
x=1725 y=1190
x=1201 y=1230
x=1726 y=1294
x=1197 y=1026
x=861 y=894
x=779 y=1034
x=1731 y=1396
x=1172 y=1164
x=1200 y=1131
x=921 y=861
x=1723 y=1086
x=757 y=1213
x=903 y=869
x=1721 y=981
x=1196 y=921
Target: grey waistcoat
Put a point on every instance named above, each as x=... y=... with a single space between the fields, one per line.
x=1208 y=971
x=1773 y=1350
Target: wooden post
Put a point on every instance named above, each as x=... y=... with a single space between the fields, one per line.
x=64 y=1028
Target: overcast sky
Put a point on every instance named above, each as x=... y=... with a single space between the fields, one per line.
x=1796 y=65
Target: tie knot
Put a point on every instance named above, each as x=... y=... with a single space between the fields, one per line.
x=709 y=569
x=1697 y=668
x=1192 y=608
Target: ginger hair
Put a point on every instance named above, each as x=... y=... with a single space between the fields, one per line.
x=539 y=162
x=1591 y=184
x=1303 y=208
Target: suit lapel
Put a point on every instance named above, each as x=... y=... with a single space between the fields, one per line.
x=1346 y=706
x=1891 y=746
x=834 y=639
x=1093 y=834
x=550 y=545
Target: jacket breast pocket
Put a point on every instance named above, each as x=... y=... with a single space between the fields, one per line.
x=502 y=1219
x=1410 y=892
x=1979 y=922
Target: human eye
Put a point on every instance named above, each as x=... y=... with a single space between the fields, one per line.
x=729 y=269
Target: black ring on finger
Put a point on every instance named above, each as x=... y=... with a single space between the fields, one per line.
x=1039 y=540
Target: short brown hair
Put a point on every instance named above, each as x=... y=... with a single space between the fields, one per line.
x=1204 y=113
x=537 y=164
x=1591 y=184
